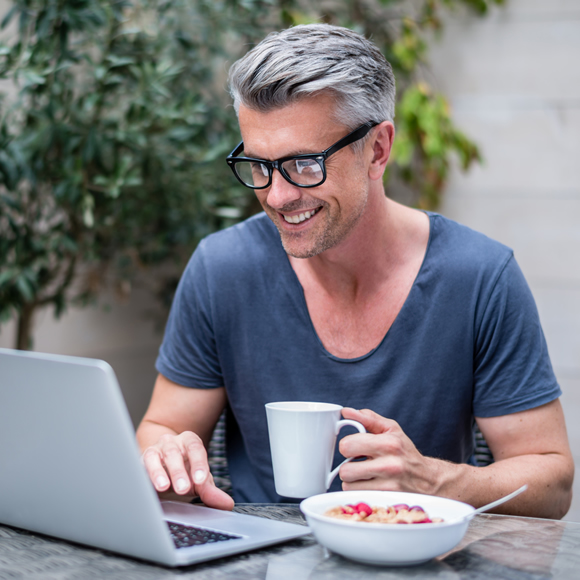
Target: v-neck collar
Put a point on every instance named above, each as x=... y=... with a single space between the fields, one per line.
x=400 y=314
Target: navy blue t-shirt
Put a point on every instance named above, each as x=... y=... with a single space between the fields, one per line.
x=467 y=342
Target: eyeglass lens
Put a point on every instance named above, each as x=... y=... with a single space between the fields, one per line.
x=301 y=171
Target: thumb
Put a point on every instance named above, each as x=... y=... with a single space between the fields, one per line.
x=371 y=421
x=214 y=497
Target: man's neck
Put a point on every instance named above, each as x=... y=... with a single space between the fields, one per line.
x=386 y=236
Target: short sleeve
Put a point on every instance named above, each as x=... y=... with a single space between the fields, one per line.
x=188 y=354
x=512 y=369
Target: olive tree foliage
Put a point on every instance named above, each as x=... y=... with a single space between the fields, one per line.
x=114 y=131
x=112 y=152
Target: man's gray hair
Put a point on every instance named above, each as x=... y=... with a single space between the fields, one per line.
x=305 y=60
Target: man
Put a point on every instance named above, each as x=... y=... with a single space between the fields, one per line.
x=341 y=295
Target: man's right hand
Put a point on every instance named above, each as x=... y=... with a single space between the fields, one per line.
x=173 y=437
x=179 y=462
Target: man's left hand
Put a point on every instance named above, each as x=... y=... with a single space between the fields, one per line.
x=392 y=460
x=529 y=447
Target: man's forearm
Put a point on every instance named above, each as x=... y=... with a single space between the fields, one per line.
x=549 y=478
x=530 y=447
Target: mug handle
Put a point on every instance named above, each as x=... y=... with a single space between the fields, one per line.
x=342 y=423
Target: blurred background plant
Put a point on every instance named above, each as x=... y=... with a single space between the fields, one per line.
x=114 y=132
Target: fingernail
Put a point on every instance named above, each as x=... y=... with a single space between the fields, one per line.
x=199 y=476
x=181 y=484
x=161 y=481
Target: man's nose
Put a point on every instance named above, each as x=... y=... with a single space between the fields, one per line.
x=281 y=192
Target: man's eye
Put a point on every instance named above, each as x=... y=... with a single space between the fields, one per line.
x=307 y=166
x=260 y=167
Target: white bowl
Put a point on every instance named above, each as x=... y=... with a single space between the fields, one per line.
x=388 y=544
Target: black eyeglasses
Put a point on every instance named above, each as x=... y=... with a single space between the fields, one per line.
x=301 y=170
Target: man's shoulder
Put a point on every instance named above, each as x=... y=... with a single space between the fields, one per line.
x=458 y=244
x=258 y=226
x=255 y=241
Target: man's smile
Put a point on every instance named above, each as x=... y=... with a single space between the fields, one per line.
x=299 y=217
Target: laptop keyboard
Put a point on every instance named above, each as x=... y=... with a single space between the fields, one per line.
x=187 y=536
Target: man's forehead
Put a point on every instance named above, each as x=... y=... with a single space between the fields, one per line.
x=303 y=127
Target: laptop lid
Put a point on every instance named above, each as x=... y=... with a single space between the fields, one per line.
x=71 y=468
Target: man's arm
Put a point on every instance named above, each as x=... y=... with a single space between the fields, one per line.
x=529 y=447
x=173 y=437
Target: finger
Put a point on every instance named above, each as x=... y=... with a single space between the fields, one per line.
x=196 y=455
x=154 y=466
x=203 y=483
x=371 y=421
x=214 y=497
x=173 y=459
x=384 y=468
x=372 y=484
x=370 y=445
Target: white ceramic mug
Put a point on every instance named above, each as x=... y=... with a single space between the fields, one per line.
x=302 y=441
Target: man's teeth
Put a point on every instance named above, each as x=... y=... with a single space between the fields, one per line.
x=296 y=219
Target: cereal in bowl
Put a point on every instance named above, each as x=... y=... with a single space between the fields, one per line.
x=395 y=514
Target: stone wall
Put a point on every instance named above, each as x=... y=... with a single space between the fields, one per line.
x=513 y=79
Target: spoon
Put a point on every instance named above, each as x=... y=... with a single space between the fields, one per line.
x=493 y=504
x=499 y=501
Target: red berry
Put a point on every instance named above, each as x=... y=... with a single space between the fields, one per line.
x=364 y=508
x=400 y=506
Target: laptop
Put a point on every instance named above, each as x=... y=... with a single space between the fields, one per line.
x=70 y=467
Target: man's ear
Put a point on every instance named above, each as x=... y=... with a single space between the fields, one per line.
x=382 y=142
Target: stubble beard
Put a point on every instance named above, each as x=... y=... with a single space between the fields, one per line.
x=332 y=232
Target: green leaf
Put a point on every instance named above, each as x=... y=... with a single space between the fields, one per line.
x=9 y=173
x=116 y=61
x=9 y=16
x=9 y=201
x=25 y=288
x=88 y=207
x=30 y=78
x=8 y=275
x=100 y=73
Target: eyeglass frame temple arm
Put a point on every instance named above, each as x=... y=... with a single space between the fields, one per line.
x=237 y=150
x=350 y=138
